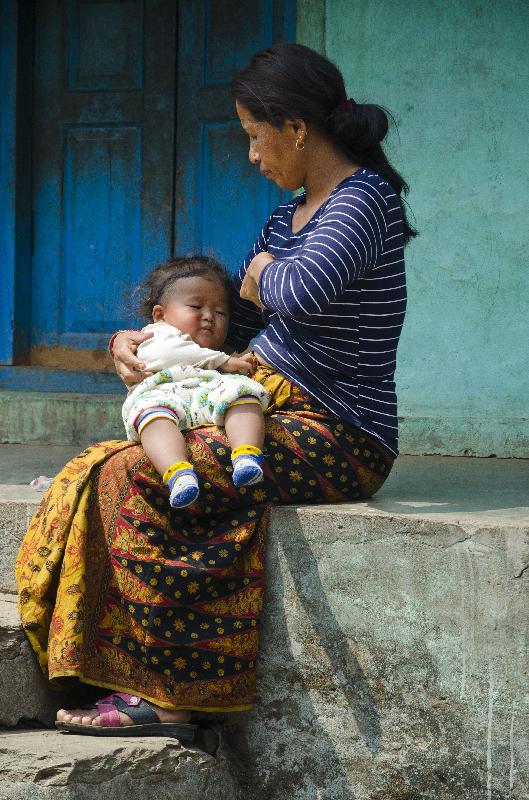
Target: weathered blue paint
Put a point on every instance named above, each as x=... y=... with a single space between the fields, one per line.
x=105 y=50
x=221 y=200
x=8 y=56
x=102 y=187
x=103 y=158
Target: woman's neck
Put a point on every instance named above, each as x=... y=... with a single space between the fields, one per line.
x=326 y=168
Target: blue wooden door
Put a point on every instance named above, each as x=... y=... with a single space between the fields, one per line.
x=137 y=153
x=103 y=154
x=221 y=200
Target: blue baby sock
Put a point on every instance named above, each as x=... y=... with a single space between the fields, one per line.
x=182 y=481
x=247 y=461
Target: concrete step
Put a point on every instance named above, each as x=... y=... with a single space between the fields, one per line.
x=395 y=651
x=46 y=765
x=61 y=418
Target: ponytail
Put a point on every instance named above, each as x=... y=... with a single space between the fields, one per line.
x=359 y=129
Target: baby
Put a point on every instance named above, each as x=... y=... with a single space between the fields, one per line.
x=188 y=301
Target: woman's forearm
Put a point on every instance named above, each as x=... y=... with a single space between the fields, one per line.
x=250 y=284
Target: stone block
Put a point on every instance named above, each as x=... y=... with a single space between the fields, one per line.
x=24 y=692
x=46 y=765
x=17 y=506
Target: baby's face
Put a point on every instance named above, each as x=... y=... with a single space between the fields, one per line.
x=197 y=306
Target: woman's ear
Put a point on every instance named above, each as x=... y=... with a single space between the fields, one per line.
x=157 y=314
x=296 y=128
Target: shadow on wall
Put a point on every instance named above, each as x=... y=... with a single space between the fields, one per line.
x=287 y=747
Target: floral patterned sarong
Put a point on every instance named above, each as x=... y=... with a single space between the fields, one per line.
x=121 y=591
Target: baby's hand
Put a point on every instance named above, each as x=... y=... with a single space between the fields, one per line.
x=244 y=365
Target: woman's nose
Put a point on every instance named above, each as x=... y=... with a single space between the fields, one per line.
x=253 y=156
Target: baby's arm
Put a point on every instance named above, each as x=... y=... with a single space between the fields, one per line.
x=171 y=348
x=246 y=364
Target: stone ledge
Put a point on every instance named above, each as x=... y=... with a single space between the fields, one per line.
x=46 y=765
x=394 y=661
x=471 y=493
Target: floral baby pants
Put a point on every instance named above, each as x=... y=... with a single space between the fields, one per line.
x=194 y=396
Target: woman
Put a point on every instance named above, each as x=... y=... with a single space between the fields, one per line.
x=164 y=606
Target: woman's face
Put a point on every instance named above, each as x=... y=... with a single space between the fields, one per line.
x=274 y=149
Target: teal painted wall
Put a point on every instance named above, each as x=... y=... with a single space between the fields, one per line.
x=455 y=75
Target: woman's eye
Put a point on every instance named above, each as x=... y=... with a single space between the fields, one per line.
x=222 y=313
x=194 y=306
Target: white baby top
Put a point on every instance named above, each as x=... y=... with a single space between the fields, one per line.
x=169 y=347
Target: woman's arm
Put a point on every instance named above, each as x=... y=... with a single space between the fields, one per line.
x=246 y=320
x=343 y=246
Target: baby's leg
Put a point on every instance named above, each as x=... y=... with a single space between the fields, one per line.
x=165 y=446
x=245 y=429
x=163 y=443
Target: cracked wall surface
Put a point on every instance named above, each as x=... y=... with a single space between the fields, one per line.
x=394 y=661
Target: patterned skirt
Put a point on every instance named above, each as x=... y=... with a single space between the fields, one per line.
x=121 y=591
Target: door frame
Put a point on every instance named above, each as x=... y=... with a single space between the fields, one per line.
x=16 y=49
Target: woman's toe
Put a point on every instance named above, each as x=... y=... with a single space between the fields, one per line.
x=76 y=716
x=67 y=716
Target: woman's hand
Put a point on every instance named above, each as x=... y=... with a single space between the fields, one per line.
x=129 y=368
x=250 y=285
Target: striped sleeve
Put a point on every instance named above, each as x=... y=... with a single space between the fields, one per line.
x=246 y=320
x=346 y=242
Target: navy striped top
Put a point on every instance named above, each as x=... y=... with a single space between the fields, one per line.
x=335 y=301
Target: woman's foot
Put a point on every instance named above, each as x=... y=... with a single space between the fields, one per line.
x=91 y=716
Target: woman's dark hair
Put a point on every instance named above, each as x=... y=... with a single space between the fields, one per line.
x=291 y=81
x=160 y=282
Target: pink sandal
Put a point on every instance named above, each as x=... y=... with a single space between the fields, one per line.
x=146 y=722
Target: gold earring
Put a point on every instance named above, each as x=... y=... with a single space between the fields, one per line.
x=300 y=143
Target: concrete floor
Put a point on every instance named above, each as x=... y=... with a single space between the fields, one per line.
x=476 y=490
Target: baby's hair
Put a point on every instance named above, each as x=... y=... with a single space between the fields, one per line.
x=155 y=289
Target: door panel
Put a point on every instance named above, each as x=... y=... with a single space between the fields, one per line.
x=221 y=200
x=111 y=207
x=103 y=179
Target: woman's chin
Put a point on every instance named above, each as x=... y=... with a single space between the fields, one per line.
x=285 y=184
